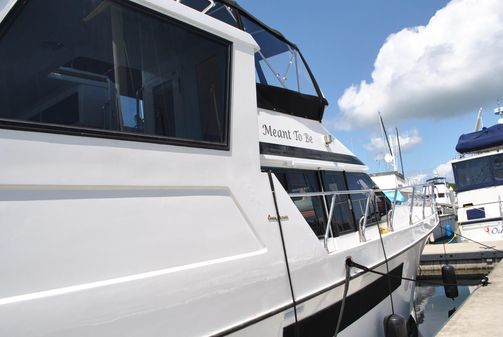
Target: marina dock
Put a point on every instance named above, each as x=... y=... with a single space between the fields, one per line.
x=468 y=258
x=480 y=315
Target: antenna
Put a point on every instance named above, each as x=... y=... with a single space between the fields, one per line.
x=399 y=151
x=385 y=136
x=499 y=111
x=479 y=123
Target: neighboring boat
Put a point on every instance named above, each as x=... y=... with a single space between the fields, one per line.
x=391 y=179
x=479 y=182
x=138 y=198
x=446 y=208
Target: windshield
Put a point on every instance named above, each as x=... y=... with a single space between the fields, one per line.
x=478 y=172
x=215 y=9
x=277 y=63
x=284 y=82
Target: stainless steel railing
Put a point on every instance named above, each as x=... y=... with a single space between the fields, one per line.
x=417 y=195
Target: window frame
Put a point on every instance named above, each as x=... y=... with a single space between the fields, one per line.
x=23 y=125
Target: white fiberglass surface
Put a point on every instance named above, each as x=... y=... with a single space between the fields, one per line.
x=486 y=231
x=80 y=236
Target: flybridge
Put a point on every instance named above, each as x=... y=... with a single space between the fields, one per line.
x=285 y=82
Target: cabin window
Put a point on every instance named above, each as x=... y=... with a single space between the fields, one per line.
x=378 y=206
x=114 y=68
x=342 y=219
x=312 y=208
x=497 y=161
x=473 y=174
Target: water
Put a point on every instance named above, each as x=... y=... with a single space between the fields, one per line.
x=433 y=308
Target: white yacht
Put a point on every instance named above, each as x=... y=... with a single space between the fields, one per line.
x=446 y=207
x=479 y=183
x=165 y=172
x=444 y=195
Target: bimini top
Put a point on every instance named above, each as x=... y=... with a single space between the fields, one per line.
x=484 y=139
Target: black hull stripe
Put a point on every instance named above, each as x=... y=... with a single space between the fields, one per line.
x=306 y=298
x=298 y=152
x=323 y=323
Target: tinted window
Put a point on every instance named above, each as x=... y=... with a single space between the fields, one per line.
x=102 y=65
x=474 y=173
x=342 y=218
x=312 y=208
x=224 y=13
x=277 y=63
x=378 y=206
x=497 y=162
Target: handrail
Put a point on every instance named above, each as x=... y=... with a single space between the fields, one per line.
x=321 y=194
x=328 y=230
x=370 y=194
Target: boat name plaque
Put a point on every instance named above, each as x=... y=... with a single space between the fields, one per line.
x=294 y=135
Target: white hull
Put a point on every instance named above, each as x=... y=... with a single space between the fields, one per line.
x=370 y=324
x=487 y=231
x=108 y=232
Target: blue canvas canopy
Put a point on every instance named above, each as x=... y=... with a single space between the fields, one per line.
x=391 y=196
x=483 y=139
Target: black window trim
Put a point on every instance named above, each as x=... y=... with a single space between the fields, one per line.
x=20 y=125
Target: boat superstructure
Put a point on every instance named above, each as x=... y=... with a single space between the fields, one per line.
x=446 y=207
x=138 y=198
x=444 y=195
x=478 y=174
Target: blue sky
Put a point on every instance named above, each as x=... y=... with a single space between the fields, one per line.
x=341 y=41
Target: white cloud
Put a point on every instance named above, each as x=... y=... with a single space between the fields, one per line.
x=379 y=147
x=444 y=170
x=417 y=179
x=451 y=66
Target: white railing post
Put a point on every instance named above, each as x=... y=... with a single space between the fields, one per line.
x=329 y=223
x=424 y=199
x=392 y=222
x=362 y=226
x=412 y=204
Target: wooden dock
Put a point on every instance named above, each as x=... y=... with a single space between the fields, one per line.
x=480 y=315
x=470 y=259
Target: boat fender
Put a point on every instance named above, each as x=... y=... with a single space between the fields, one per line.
x=412 y=327
x=450 y=282
x=395 y=326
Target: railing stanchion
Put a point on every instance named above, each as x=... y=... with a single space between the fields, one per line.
x=433 y=201
x=412 y=204
x=392 y=221
x=424 y=200
x=362 y=226
x=499 y=206
x=329 y=222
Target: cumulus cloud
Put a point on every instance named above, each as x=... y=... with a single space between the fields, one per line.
x=379 y=147
x=417 y=179
x=444 y=170
x=450 y=66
